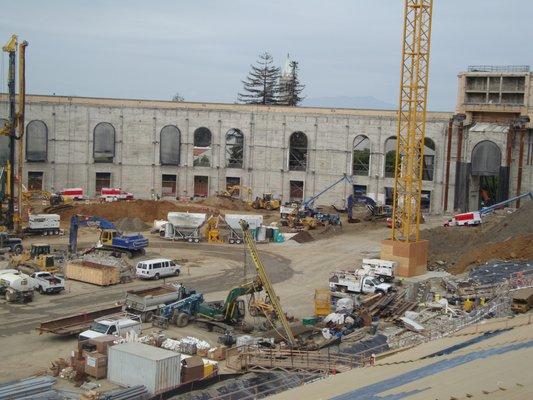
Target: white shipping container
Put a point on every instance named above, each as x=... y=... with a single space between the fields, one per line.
x=136 y=363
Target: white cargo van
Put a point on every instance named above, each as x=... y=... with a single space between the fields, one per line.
x=117 y=325
x=157 y=268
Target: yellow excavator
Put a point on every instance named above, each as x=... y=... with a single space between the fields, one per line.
x=38 y=258
x=236 y=191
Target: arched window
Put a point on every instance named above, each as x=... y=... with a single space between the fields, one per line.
x=390 y=157
x=428 y=166
x=486 y=159
x=361 y=156
x=234 y=148
x=104 y=142
x=169 y=145
x=36 y=141
x=202 y=147
x=4 y=144
x=298 y=152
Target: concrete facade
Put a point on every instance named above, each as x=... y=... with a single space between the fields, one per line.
x=136 y=167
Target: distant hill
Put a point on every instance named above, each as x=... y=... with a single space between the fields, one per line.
x=368 y=102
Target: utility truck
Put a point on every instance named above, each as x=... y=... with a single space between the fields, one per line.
x=117 y=325
x=382 y=269
x=43 y=224
x=357 y=282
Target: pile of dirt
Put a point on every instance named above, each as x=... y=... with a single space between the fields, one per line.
x=501 y=236
x=129 y=224
x=226 y=203
x=145 y=210
x=302 y=237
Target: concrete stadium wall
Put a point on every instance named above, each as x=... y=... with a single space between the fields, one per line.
x=136 y=166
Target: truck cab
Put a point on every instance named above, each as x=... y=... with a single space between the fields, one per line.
x=117 y=325
x=357 y=282
x=10 y=244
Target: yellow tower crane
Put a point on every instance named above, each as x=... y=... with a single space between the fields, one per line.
x=411 y=120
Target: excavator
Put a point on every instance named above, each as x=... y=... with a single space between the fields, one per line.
x=111 y=239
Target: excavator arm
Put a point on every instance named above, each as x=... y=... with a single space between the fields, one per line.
x=231 y=300
x=90 y=221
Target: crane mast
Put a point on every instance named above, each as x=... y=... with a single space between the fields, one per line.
x=267 y=285
x=411 y=120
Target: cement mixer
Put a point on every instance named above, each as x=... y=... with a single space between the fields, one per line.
x=16 y=286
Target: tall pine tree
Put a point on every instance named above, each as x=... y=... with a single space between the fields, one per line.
x=260 y=86
x=290 y=87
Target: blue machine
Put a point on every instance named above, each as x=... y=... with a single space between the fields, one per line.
x=486 y=210
x=111 y=238
x=180 y=311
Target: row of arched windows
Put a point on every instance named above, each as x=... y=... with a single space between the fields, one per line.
x=361 y=157
x=170 y=146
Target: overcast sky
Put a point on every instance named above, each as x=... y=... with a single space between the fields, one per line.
x=203 y=48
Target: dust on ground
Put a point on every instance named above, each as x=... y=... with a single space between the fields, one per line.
x=502 y=235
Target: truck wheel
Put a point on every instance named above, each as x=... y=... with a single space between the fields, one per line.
x=148 y=316
x=18 y=249
x=40 y=289
x=45 y=233
x=182 y=320
x=190 y=240
x=381 y=279
x=157 y=276
x=196 y=240
x=177 y=272
x=11 y=296
x=231 y=241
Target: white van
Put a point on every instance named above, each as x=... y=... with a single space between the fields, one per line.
x=117 y=325
x=157 y=268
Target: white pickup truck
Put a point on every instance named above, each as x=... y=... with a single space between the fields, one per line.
x=357 y=282
x=45 y=282
x=117 y=325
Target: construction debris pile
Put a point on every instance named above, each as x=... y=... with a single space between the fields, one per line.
x=504 y=235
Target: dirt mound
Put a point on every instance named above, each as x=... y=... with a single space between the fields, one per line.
x=225 y=203
x=145 y=210
x=302 y=237
x=501 y=236
x=131 y=225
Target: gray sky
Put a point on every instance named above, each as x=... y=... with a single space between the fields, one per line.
x=203 y=49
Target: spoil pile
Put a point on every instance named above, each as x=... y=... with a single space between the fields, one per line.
x=129 y=224
x=145 y=210
x=226 y=203
x=501 y=236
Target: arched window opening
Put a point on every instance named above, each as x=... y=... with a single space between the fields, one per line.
x=202 y=147
x=428 y=165
x=36 y=141
x=298 y=152
x=104 y=143
x=361 y=156
x=486 y=159
x=234 y=148
x=390 y=157
x=169 y=146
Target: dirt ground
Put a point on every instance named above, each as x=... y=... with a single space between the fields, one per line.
x=295 y=269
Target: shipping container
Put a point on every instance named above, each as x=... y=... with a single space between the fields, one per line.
x=135 y=363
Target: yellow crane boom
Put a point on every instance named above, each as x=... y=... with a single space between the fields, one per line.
x=267 y=285
x=411 y=119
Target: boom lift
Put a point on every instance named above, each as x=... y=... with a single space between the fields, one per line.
x=111 y=239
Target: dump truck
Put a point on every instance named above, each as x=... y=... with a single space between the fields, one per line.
x=145 y=302
x=74 y=324
x=522 y=300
